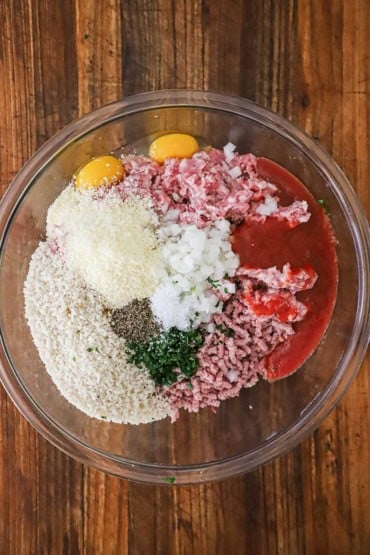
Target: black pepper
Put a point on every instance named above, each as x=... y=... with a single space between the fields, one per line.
x=135 y=322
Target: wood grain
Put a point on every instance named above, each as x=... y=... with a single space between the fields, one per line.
x=308 y=60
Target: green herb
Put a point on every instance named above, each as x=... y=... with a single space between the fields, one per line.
x=97 y=350
x=193 y=289
x=167 y=355
x=169 y=479
x=74 y=359
x=226 y=290
x=103 y=417
x=321 y=202
x=226 y=331
x=196 y=313
x=213 y=282
x=189 y=385
x=89 y=349
x=86 y=36
x=227 y=276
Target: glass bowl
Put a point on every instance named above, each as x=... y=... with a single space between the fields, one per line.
x=265 y=420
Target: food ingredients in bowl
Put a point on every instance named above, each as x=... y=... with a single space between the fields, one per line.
x=173 y=145
x=105 y=170
x=135 y=322
x=169 y=356
x=196 y=262
x=194 y=275
x=112 y=245
x=84 y=357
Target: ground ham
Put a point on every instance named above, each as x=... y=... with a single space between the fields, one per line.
x=209 y=186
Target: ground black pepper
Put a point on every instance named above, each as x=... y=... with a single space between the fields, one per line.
x=135 y=322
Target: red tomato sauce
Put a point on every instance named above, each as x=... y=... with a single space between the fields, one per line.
x=274 y=243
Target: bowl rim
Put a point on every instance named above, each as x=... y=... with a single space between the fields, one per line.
x=319 y=407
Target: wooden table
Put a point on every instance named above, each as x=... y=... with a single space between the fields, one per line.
x=308 y=60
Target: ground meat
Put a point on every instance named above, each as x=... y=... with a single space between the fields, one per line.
x=280 y=304
x=295 y=214
x=271 y=293
x=254 y=322
x=211 y=185
x=207 y=187
x=231 y=358
x=293 y=280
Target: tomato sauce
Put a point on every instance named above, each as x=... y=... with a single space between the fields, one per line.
x=274 y=243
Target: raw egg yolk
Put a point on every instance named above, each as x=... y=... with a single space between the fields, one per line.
x=104 y=170
x=173 y=145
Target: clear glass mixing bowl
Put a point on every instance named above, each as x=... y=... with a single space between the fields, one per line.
x=265 y=420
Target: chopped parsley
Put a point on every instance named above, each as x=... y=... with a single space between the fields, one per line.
x=168 y=355
x=214 y=282
x=169 y=479
x=89 y=349
x=226 y=331
x=97 y=350
x=74 y=359
x=226 y=290
x=189 y=385
x=103 y=417
x=321 y=202
x=86 y=36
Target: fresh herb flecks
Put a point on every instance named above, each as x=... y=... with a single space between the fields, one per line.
x=321 y=202
x=228 y=332
x=169 y=479
x=214 y=283
x=169 y=356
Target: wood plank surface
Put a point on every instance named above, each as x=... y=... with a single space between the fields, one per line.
x=306 y=59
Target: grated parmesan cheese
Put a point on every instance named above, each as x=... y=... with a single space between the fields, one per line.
x=111 y=244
